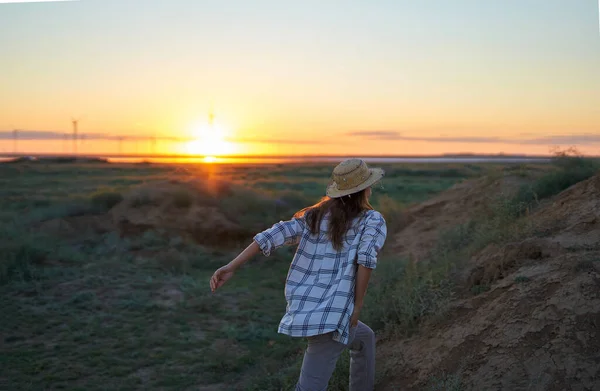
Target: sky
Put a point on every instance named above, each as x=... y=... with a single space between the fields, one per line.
x=376 y=77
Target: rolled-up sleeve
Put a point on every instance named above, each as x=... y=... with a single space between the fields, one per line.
x=372 y=240
x=281 y=233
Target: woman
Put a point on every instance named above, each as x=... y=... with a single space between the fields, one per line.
x=338 y=242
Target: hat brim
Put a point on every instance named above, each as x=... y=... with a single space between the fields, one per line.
x=376 y=175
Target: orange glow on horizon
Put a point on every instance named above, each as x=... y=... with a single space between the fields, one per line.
x=210 y=140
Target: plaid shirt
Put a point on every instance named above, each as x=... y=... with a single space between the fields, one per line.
x=319 y=288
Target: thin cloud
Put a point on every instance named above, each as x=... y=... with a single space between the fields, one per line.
x=392 y=135
x=32 y=135
x=548 y=140
x=280 y=141
x=388 y=135
x=566 y=139
x=377 y=134
x=41 y=135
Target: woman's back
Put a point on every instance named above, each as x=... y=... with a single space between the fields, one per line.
x=319 y=286
x=338 y=242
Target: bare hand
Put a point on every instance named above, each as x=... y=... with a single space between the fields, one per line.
x=220 y=277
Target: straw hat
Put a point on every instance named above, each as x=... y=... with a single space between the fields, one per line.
x=352 y=176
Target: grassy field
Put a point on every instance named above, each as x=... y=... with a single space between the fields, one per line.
x=93 y=310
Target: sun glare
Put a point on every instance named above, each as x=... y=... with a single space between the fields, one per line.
x=210 y=141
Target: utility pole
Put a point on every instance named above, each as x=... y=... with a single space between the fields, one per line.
x=74 y=121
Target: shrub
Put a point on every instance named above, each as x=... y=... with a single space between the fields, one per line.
x=67 y=209
x=406 y=292
x=522 y=279
x=253 y=210
x=449 y=172
x=585 y=266
x=106 y=200
x=153 y=240
x=20 y=255
x=571 y=168
x=292 y=201
x=446 y=382
x=478 y=289
x=23 y=255
x=393 y=212
x=501 y=224
x=182 y=199
x=141 y=199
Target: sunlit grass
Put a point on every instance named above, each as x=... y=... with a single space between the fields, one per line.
x=101 y=311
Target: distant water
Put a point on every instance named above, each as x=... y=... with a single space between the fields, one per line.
x=292 y=160
x=302 y=159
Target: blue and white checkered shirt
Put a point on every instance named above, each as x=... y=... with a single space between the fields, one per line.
x=319 y=289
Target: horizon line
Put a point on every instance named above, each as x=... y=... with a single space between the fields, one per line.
x=281 y=156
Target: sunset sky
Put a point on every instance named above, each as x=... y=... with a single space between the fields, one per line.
x=378 y=77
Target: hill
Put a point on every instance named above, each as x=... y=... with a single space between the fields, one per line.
x=525 y=314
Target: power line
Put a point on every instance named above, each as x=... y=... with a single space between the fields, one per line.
x=23 y=134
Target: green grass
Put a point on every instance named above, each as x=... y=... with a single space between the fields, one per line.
x=522 y=279
x=182 y=199
x=106 y=200
x=571 y=168
x=110 y=318
x=100 y=311
x=479 y=289
x=97 y=311
x=407 y=292
x=446 y=382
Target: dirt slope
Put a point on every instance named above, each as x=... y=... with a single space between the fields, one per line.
x=538 y=327
x=450 y=208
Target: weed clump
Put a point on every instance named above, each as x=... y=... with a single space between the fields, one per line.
x=393 y=212
x=446 y=382
x=106 y=200
x=571 y=168
x=243 y=205
x=182 y=199
x=142 y=198
x=479 y=289
x=20 y=255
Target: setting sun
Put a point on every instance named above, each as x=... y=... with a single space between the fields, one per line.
x=210 y=140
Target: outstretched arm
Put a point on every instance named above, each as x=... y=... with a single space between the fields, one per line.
x=250 y=252
x=284 y=232
x=223 y=274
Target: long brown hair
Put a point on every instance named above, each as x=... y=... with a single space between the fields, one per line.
x=343 y=211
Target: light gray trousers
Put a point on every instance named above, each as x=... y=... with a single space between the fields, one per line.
x=323 y=352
